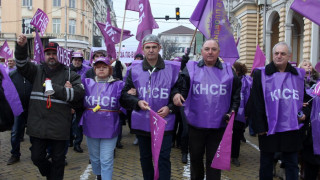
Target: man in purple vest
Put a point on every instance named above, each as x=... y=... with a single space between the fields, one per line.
x=212 y=91
x=277 y=98
x=153 y=79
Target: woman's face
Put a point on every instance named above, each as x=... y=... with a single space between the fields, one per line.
x=102 y=70
x=307 y=67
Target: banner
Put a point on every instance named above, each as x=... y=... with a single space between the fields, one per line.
x=157 y=126
x=308 y=8
x=64 y=56
x=259 y=59
x=132 y=5
x=40 y=20
x=5 y=51
x=211 y=19
x=222 y=157
x=38 y=49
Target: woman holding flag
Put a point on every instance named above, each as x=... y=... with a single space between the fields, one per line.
x=100 y=120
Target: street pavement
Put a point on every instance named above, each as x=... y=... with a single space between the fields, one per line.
x=126 y=164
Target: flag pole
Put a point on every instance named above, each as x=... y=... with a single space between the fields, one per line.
x=124 y=18
x=194 y=34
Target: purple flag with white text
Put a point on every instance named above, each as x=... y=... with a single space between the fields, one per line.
x=157 y=127
x=259 y=59
x=38 y=49
x=222 y=157
x=132 y=5
x=308 y=8
x=64 y=56
x=40 y=20
x=5 y=51
x=211 y=19
x=146 y=22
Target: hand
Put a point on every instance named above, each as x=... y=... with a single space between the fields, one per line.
x=263 y=133
x=178 y=99
x=305 y=104
x=72 y=111
x=302 y=118
x=226 y=118
x=144 y=105
x=164 y=111
x=22 y=40
x=68 y=85
x=132 y=91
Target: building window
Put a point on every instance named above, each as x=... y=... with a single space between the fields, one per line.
x=56 y=23
x=27 y=3
x=57 y=3
x=72 y=3
x=72 y=26
x=27 y=28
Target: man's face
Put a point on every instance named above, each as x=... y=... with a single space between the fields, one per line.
x=210 y=52
x=151 y=51
x=51 y=58
x=97 y=55
x=77 y=62
x=281 y=55
x=11 y=63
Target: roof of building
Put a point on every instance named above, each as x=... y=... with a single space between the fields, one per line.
x=179 y=30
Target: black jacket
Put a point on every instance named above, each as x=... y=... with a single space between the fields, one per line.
x=183 y=85
x=55 y=122
x=23 y=87
x=289 y=141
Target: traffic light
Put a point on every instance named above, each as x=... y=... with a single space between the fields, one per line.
x=177 y=13
x=166 y=17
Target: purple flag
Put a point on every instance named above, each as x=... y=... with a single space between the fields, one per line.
x=315 y=125
x=211 y=19
x=38 y=49
x=222 y=157
x=132 y=5
x=40 y=20
x=259 y=59
x=11 y=93
x=316 y=90
x=317 y=67
x=308 y=8
x=64 y=56
x=146 y=22
x=157 y=126
x=5 y=51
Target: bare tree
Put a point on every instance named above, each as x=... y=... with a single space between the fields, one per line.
x=168 y=49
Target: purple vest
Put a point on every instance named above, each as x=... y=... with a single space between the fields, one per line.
x=156 y=92
x=83 y=70
x=209 y=96
x=244 y=95
x=105 y=122
x=315 y=125
x=283 y=95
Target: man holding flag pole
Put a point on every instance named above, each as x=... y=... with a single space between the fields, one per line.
x=153 y=78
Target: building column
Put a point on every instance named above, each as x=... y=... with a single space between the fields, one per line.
x=306 y=39
x=314 y=54
x=288 y=34
x=282 y=22
x=268 y=46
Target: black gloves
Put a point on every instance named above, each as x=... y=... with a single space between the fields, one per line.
x=21 y=53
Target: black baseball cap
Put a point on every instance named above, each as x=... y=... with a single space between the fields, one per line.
x=51 y=46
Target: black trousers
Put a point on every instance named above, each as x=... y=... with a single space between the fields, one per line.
x=237 y=135
x=52 y=170
x=311 y=171
x=201 y=141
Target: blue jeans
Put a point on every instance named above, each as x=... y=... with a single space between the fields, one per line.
x=101 y=153
x=164 y=163
x=17 y=133
x=76 y=129
x=290 y=161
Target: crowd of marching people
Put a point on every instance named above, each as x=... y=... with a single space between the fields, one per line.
x=197 y=99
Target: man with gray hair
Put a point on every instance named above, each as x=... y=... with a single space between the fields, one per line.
x=153 y=78
x=277 y=101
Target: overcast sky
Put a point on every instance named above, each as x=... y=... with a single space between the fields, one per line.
x=159 y=8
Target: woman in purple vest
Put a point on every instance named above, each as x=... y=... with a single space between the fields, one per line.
x=311 y=158
x=240 y=119
x=100 y=120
